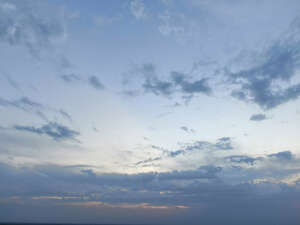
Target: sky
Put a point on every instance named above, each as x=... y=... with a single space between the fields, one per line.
x=150 y=112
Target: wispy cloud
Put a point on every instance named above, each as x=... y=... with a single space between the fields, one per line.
x=221 y=144
x=22 y=25
x=54 y=130
x=137 y=8
x=28 y=105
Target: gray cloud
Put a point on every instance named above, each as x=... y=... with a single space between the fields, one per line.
x=208 y=186
x=221 y=144
x=278 y=63
x=258 y=117
x=158 y=87
x=23 y=103
x=176 y=82
x=21 y=23
x=28 y=105
x=12 y=82
x=199 y=86
x=186 y=129
x=65 y=115
x=243 y=159
x=95 y=83
x=224 y=143
x=54 y=130
x=285 y=155
x=70 y=77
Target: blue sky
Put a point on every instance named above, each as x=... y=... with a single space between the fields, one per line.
x=163 y=112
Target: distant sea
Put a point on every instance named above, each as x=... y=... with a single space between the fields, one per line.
x=3 y=223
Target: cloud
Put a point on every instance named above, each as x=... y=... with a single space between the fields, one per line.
x=137 y=8
x=211 y=187
x=70 y=77
x=199 y=86
x=95 y=83
x=243 y=159
x=12 y=82
x=285 y=155
x=28 y=105
x=92 y=81
x=157 y=87
x=176 y=82
x=224 y=143
x=24 y=103
x=65 y=115
x=25 y=24
x=186 y=129
x=258 y=117
x=54 y=130
x=267 y=83
x=221 y=144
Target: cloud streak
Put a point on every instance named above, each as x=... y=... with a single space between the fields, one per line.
x=56 y=131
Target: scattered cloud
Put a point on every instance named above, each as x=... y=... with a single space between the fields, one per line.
x=54 y=130
x=267 y=82
x=22 y=25
x=23 y=103
x=176 y=82
x=28 y=105
x=221 y=144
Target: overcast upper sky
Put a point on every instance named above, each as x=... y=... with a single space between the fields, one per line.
x=150 y=112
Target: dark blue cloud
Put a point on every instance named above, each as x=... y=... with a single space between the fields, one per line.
x=56 y=131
